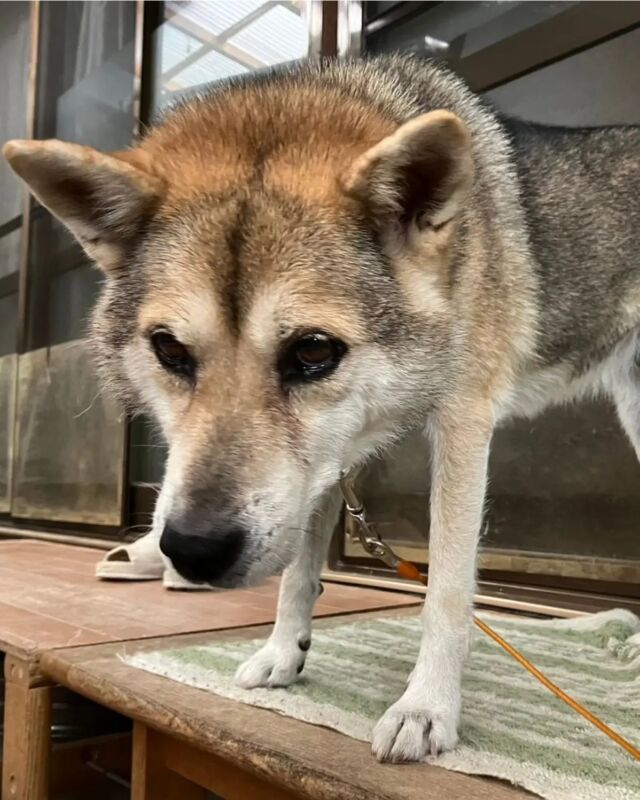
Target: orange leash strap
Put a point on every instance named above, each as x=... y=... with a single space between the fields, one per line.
x=408 y=570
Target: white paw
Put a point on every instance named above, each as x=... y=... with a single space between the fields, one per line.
x=277 y=663
x=410 y=730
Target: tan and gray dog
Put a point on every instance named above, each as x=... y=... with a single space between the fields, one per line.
x=301 y=266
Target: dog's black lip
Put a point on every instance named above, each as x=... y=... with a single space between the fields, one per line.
x=188 y=574
x=234 y=579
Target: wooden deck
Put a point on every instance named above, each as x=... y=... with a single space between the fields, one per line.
x=50 y=597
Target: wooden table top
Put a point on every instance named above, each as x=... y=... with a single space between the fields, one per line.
x=302 y=757
x=50 y=598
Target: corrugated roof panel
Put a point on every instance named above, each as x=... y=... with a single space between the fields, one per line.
x=279 y=35
x=176 y=46
x=215 y=16
x=211 y=67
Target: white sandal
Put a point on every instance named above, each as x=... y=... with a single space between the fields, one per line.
x=139 y=561
x=142 y=561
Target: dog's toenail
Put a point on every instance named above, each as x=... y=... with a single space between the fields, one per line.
x=304 y=644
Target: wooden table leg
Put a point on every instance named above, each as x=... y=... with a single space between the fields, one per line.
x=165 y=768
x=27 y=732
x=150 y=777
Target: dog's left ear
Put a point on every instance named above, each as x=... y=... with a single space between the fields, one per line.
x=421 y=173
x=102 y=198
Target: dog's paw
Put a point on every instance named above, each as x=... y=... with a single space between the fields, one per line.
x=275 y=664
x=409 y=731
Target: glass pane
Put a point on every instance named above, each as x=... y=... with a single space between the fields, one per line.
x=147 y=452
x=69 y=462
x=278 y=35
x=214 y=18
x=10 y=245
x=85 y=95
x=15 y=36
x=8 y=323
x=200 y=71
x=203 y=42
x=70 y=295
x=8 y=366
x=71 y=440
x=14 y=54
x=556 y=484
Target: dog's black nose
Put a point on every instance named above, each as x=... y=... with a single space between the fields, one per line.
x=203 y=558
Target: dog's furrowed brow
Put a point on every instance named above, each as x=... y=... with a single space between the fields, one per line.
x=189 y=313
x=259 y=237
x=235 y=238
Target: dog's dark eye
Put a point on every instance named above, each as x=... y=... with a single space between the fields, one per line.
x=310 y=357
x=172 y=354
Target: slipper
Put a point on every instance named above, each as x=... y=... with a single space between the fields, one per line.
x=139 y=561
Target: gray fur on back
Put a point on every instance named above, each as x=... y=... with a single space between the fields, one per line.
x=581 y=192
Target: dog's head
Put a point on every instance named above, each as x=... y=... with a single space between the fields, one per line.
x=278 y=270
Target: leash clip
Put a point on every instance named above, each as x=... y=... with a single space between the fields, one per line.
x=368 y=535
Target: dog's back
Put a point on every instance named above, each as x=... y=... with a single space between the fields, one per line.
x=580 y=188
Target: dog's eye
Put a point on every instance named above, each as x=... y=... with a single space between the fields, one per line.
x=172 y=354
x=310 y=357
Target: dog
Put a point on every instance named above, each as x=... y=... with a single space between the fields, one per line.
x=303 y=265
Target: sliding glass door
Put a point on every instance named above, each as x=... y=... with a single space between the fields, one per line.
x=15 y=39
x=62 y=442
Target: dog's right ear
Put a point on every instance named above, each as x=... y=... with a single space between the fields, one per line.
x=102 y=199
x=420 y=174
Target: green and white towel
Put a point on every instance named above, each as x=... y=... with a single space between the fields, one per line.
x=512 y=727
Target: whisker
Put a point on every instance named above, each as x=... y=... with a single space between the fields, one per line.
x=89 y=407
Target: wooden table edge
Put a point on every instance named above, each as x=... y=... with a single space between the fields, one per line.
x=228 y=741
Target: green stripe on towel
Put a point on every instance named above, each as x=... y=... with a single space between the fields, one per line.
x=512 y=728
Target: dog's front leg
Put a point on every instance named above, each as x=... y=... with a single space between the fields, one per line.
x=282 y=657
x=425 y=719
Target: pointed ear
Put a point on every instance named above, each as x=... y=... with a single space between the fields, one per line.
x=102 y=199
x=420 y=173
